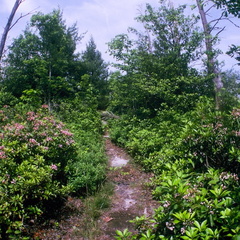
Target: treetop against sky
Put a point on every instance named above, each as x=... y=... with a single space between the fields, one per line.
x=102 y=20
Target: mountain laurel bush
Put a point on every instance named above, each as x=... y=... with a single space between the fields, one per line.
x=35 y=150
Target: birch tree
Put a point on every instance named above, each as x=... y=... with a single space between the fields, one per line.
x=212 y=64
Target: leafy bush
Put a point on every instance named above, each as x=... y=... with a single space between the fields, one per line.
x=88 y=171
x=195 y=159
x=145 y=139
x=194 y=206
x=35 y=150
x=6 y=98
x=213 y=141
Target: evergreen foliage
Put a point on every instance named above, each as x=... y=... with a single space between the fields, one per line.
x=97 y=70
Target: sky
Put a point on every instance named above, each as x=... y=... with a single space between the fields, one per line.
x=103 y=20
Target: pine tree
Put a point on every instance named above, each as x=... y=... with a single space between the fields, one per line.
x=97 y=70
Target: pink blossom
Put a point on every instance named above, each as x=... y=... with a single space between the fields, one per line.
x=170 y=226
x=45 y=106
x=33 y=141
x=31 y=116
x=166 y=204
x=19 y=126
x=183 y=230
x=13 y=181
x=226 y=175
x=70 y=141
x=49 y=139
x=67 y=133
x=60 y=125
x=236 y=112
x=2 y=155
x=237 y=133
x=54 y=167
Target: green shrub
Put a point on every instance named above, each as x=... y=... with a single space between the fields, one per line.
x=87 y=172
x=212 y=139
x=195 y=159
x=6 y=98
x=195 y=206
x=35 y=150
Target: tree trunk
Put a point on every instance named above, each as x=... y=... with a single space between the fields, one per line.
x=212 y=67
x=8 y=26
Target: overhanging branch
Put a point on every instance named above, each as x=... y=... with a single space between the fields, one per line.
x=22 y=16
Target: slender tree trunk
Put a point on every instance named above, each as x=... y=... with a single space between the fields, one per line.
x=8 y=26
x=212 y=67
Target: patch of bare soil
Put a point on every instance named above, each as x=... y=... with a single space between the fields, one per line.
x=131 y=198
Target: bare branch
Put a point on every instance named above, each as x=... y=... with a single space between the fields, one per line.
x=210 y=8
x=217 y=21
x=216 y=35
x=220 y=31
x=22 y=16
x=233 y=23
x=10 y=25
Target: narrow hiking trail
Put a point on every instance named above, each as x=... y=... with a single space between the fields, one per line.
x=131 y=198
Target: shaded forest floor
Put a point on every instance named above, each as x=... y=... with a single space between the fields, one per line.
x=125 y=195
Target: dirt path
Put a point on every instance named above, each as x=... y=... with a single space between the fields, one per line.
x=131 y=198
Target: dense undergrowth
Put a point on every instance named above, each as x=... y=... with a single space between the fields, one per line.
x=195 y=159
x=46 y=156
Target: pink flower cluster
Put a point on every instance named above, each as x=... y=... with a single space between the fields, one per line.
x=36 y=134
x=33 y=142
x=31 y=116
x=67 y=133
x=236 y=113
x=2 y=155
x=170 y=225
x=54 y=167
x=226 y=175
x=45 y=106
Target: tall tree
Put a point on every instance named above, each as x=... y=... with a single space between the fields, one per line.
x=42 y=57
x=212 y=64
x=226 y=8
x=97 y=70
x=156 y=62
